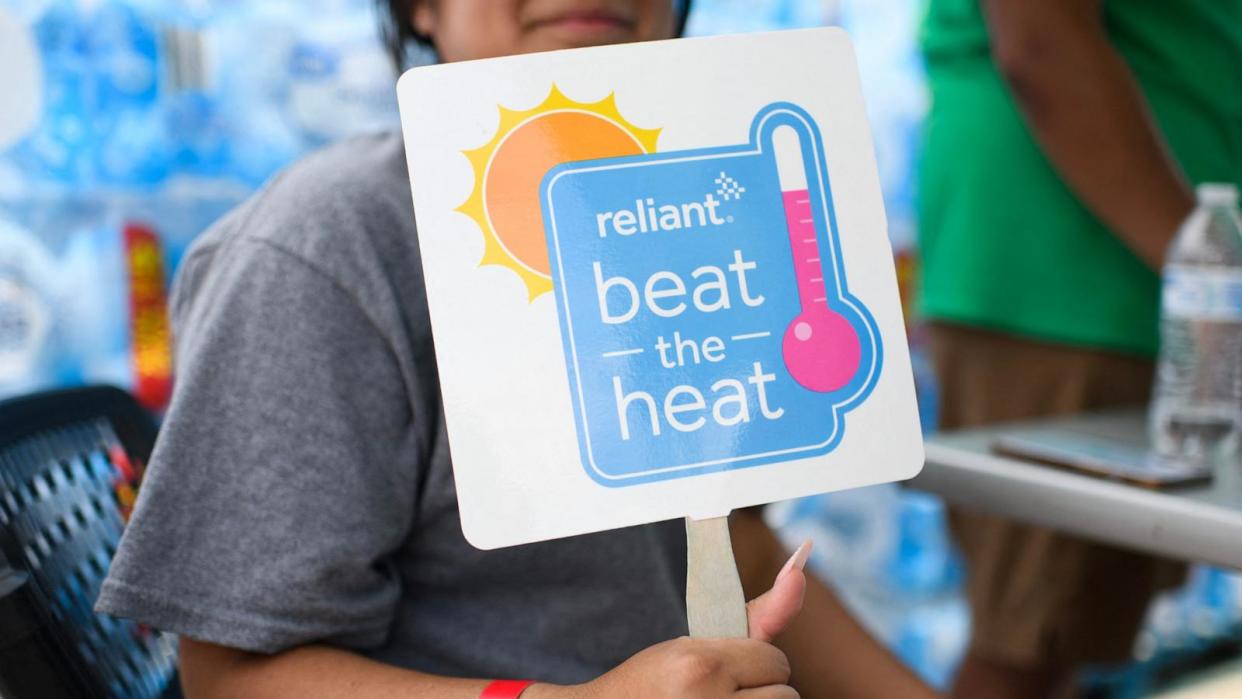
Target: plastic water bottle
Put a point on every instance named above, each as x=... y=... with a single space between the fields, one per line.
x=922 y=565
x=1196 y=409
x=27 y=274
x=134 y=143
x=94 y=306
x=58 y=149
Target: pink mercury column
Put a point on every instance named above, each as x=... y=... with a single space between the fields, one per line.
x=821 y=349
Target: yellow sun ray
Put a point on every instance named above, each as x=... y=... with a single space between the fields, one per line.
x=475 y=206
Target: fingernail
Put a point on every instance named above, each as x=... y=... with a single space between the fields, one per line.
x=797 y=560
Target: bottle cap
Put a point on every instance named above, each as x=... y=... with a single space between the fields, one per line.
x=1217 y=194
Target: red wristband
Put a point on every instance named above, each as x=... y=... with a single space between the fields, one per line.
x=505 y=689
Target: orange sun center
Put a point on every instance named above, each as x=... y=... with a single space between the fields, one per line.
x=511 y=189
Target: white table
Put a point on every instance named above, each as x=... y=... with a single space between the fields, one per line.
x=1201 y=523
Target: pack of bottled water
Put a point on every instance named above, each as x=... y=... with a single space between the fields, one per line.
x=888 y=555
x=132 y=125
x=69 y=309
x=138 y=91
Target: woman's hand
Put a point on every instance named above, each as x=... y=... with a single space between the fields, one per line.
x=707 y=668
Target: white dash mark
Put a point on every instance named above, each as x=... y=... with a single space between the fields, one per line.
x=622 y=353
x=751 y=336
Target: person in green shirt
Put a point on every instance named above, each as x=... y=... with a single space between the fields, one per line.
x=1060 y=150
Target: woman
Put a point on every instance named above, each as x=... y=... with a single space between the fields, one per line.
x=298 y=526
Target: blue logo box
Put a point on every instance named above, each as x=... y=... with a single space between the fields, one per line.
x=677 y=291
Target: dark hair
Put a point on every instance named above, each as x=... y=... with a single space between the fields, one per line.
x=398 y=32
x=397 y=29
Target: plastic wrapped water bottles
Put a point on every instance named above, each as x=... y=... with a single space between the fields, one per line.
x=100 y=121
x=887 y=553
x=1196 y=410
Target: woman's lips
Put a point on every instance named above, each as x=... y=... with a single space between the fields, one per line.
x=587 y=22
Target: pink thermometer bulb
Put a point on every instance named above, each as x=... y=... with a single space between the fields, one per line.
x=821 y=349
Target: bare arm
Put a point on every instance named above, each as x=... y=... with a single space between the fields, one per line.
x=830 y=653
x=1089 y=117
x=214 y=671
x=683 y=668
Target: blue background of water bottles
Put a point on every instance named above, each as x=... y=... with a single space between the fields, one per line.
x=170 y=112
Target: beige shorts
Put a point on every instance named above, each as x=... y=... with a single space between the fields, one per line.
x=1039 y=597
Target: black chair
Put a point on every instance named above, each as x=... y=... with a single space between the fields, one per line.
x=70 y=462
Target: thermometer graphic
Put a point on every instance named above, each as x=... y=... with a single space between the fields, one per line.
x=821 y=349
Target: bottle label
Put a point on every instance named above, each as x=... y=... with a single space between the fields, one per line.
x=151 y=338
x=1214 y=294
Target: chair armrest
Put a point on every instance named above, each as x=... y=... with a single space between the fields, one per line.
x=29 y=666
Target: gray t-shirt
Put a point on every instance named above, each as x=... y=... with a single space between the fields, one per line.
x=301 y=489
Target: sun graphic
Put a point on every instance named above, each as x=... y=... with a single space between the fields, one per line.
x=509 y=168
